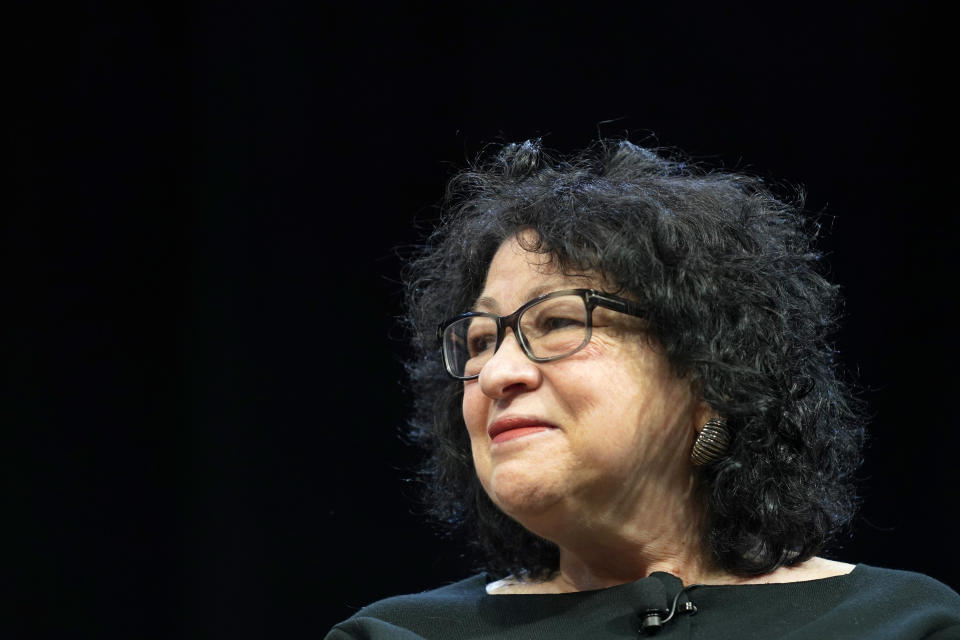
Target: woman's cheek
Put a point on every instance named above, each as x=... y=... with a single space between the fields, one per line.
x=474 y=412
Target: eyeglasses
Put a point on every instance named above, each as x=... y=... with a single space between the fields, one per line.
x=549 y=327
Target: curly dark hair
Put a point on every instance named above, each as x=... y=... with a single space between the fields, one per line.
x=731 y=284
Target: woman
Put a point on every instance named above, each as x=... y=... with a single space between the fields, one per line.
x=634 y=413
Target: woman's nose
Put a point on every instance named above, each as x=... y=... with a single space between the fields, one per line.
x=509 y=370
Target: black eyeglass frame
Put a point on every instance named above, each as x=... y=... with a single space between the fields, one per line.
x=591 y=300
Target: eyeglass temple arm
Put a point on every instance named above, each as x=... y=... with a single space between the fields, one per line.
x=618 y=304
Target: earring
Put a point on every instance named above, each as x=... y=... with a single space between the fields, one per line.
x=711 y=443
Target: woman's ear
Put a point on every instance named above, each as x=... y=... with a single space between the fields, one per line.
x=703 y=414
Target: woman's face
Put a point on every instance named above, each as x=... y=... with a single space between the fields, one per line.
x=591 y=436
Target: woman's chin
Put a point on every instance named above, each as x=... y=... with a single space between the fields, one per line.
x=522 y=493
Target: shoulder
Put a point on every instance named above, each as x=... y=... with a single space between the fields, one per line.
x=904 y=584
x=414 y=615
x=867 y=602
x=906 y=604
x=468 y=589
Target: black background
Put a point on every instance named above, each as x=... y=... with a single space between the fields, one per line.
x=209 y=209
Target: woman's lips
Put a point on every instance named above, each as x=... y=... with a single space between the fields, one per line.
x=506 y=429
x=518 y=433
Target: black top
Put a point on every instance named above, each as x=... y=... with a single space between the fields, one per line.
x=866 y=603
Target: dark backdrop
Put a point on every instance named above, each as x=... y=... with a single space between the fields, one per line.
x=203 y=375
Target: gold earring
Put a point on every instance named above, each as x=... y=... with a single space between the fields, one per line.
x=711 y=443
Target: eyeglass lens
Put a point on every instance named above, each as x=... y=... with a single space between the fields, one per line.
x=551 y=328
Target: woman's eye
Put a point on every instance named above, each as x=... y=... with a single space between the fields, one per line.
x=557 y=323
x=479 y=344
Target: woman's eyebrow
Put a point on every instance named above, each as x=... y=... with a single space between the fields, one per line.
x=487 y=303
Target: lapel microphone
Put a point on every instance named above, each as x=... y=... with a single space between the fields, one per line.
x=653 y=605
x=654 y=612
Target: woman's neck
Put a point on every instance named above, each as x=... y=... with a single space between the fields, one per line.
x=663 y=530
x=678 y=552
